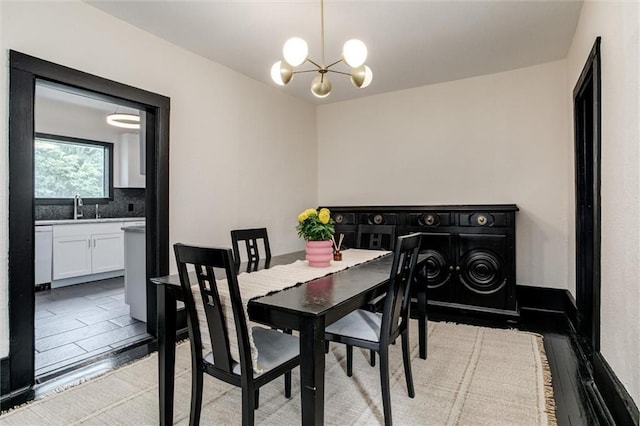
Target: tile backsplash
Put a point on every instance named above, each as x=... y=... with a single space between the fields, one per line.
x=124 y=199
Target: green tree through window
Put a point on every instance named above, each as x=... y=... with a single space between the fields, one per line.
x=68 y=166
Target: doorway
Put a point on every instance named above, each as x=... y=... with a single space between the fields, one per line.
x=25 y=70
x=586 y=108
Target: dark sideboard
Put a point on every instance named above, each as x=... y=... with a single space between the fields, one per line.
x=471 y=250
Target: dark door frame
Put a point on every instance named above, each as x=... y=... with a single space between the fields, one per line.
x=24 y=71
x=587 y=135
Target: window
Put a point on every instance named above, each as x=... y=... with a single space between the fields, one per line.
x=66 y=166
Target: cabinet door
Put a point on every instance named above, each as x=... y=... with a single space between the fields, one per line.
x=482 y=260
x=436 y=266
x=71 y=256
x=43 y=255
x=107 y=252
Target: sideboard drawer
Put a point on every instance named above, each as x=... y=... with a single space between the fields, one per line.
x=484 y=219
x=379 y=218
x=342 y=218
x=431 y=219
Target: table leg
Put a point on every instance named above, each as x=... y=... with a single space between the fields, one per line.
x=312 y=370
x=166 y=352
x=422 y=321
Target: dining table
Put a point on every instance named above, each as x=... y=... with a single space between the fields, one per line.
x=307 y=307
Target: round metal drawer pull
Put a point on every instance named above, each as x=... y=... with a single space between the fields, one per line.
x=338 y=218
x=457 y=269
x=482 y=220
x=430 y=220
x=377 y=219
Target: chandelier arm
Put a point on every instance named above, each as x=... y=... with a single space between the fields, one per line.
x=339 y=72
x=319 y=67
x=303 y=71
x=335 y=63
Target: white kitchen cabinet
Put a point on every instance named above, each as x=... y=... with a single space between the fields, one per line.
x=129 y=150
x=43 y=254
x=86 y=249
x=71 y=256
x=107 y=252
x=135 y=276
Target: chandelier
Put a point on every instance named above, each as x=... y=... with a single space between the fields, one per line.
x=296 y=53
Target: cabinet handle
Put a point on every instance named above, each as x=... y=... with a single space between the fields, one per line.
x=89 y=242
x=457 y=269
x=451 y=268
x=94 y=242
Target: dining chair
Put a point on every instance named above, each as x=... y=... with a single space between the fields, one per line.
x=278 y=353
x=375 y=237
x=375 y=331
x=251 y=238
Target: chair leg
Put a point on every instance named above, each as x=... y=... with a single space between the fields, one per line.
x=287 y=384
x=384 y=381
x=372 y=357
x=406 y=358
x=248 y=405
x=349 y=360
x=422 y=323
x=196 y=396
x=257 y=398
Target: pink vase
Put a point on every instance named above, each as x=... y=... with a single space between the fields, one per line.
x=319 y=253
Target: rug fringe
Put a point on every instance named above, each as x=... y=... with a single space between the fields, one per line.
x=550 y=402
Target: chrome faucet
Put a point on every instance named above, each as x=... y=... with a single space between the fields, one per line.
x=77 y=202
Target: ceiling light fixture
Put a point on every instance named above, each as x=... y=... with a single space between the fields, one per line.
x=296 y=53
x=127 y=121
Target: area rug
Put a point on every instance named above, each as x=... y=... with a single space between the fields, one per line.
x=473 y=376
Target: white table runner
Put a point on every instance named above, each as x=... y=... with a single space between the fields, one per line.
x=264 y=281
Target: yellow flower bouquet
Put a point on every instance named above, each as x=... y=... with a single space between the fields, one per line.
x=315 y=225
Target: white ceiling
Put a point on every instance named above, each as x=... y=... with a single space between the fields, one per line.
x=410 y=43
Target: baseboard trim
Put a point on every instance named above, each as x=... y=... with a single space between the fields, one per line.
x=605 y=390
x=620 y=404
x=543 y=298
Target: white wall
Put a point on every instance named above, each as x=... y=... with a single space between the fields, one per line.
x=242 y=153
x=500 y=138
x=618 y=24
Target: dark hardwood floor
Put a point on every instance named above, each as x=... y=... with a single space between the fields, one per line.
x=573 y=406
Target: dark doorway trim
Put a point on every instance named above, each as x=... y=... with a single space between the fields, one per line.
x=24 y=71
x=587 y=134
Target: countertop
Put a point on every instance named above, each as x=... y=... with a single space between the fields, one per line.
x=101 y=220
x=136 y=228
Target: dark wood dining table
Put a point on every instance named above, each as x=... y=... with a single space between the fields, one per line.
x=307 y=308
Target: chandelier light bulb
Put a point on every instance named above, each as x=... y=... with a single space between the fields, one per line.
x=354 y=53
x=321 y=86
x=362 y=76
x=295 y=51
x=281 y=73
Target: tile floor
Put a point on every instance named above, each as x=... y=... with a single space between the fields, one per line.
x=82 y=321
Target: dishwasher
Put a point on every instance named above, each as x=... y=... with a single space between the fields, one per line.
x=43 y=258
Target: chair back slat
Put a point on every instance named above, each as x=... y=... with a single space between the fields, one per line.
x=251 y=237
x=376 y=237
x=396 y=307
x=205 y=261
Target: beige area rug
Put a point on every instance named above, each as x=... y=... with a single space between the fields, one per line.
x=473 y=376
